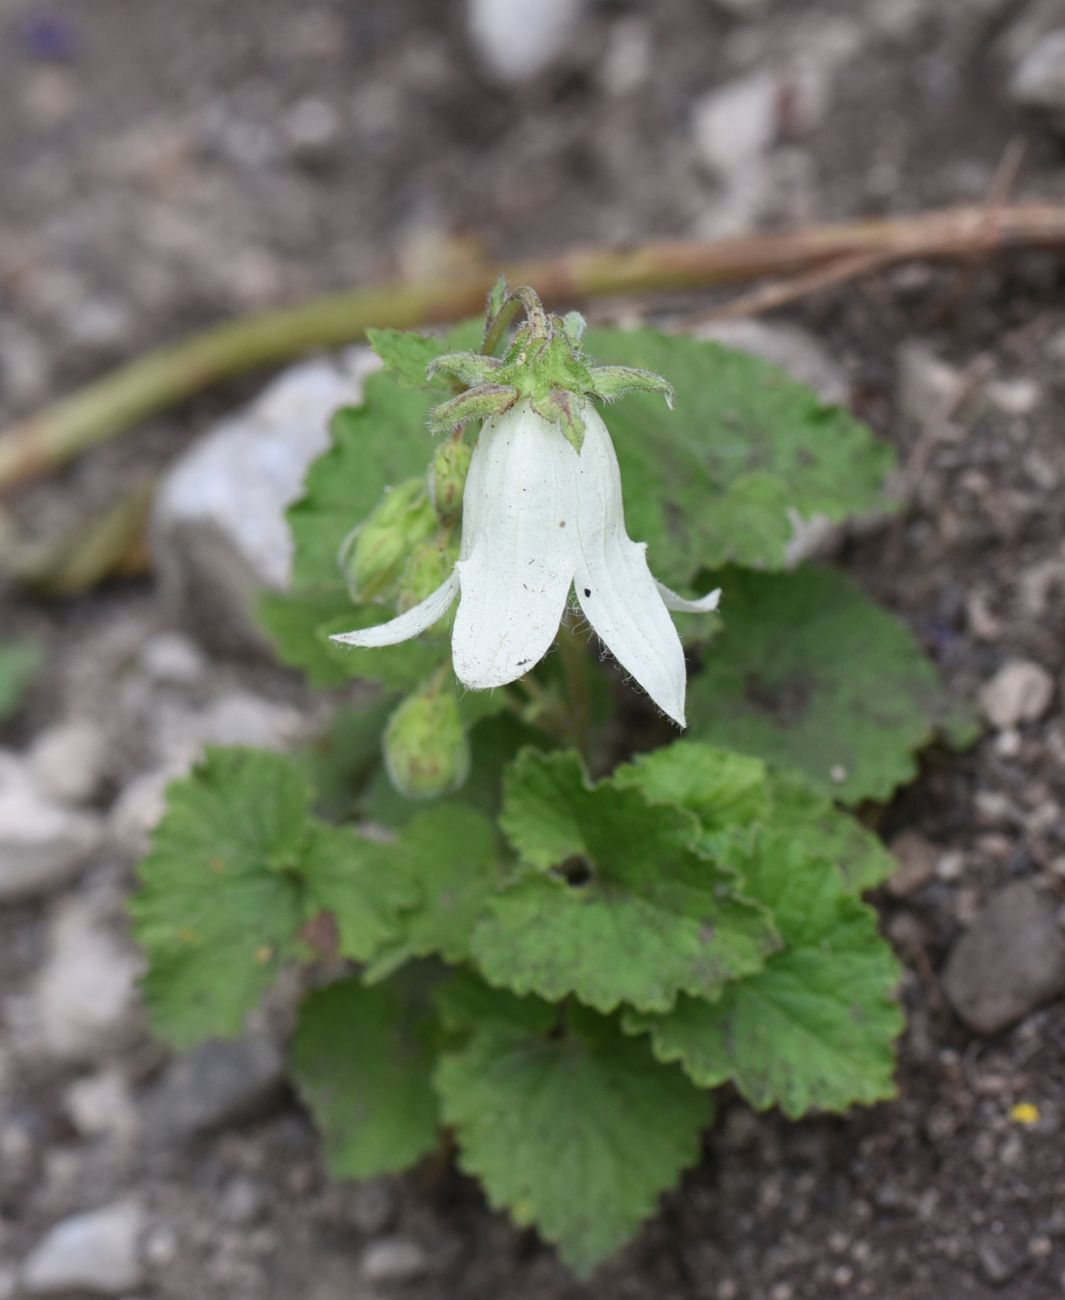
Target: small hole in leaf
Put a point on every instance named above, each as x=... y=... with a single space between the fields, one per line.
x=587 y=591
x=787 y=702
x=576 y=871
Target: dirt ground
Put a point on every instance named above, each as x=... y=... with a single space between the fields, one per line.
x=163 y=166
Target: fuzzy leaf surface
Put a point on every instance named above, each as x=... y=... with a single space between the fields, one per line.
x=448 y=857
x=712 y=482
x=652 y=918
x=406 y=354
x=362 y=1059
x=575 y=1131
x=816 y=1027
x=810 y=675
x=732 y=793
x=221 y=900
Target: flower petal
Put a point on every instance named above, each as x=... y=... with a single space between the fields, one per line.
x=704 y=605
x=615 y=587
x=407 y=625
x=518 y=536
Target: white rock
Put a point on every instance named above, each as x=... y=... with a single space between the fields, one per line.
x=235 y=717
x=67 y=761
x=219 y=532
x=1019 y=692
x=94 y=1253
x=42 y=845
x=139 y=809
x=85 y=997
x=394 y=1259
x=1039 y=81
x=101 y=1105
x=737 y=122
x=516 y=40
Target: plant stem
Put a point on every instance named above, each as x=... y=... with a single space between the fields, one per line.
x=170 y=375
x=574 y=655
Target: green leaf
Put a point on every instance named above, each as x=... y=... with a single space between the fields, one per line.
x=712 y=482
x=816 y=1027
x=645 y=916
x=811 y=675
x=237 y=866
x=449 y=856
x=220 y=902
x=576 y=1129
x=20 y=661
x=801 y=816
x=362 y=1061
x=407 y=355
x=724 y=790
x=383 y=441
x=353 y=878
x=301 y=622
x=732 y=793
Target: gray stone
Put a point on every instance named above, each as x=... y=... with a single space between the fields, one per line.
x=1019 y=692
x=243 y=1201
x=394 y=1259
x=219 y=1085
x=94 y=1253
x=67 y=761
x=917 y=859
x=42 y=844
x=930 y=389
x=516 y=40
x=219 y=531
x=1039 y=81
x=173 y=660
x=86 y=995
x=1010 y=961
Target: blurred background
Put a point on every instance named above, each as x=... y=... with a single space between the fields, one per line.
x=165 y=166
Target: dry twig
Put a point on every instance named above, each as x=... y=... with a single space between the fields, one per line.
x=812 y=259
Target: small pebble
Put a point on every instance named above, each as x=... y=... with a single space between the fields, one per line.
x=1020 y=691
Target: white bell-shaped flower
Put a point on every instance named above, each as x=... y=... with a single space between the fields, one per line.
x=540 y=518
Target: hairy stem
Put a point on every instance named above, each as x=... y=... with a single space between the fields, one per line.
x=573 y=652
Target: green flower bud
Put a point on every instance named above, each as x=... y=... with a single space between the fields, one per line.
x=447 y=478
x=374 y=556
x=427 y=752
x=428 y=566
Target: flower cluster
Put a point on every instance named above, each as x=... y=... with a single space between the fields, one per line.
x=543 y=515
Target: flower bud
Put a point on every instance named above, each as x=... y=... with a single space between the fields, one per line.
x=426 y=749
x=447 y=478
x=374 y=556
x=428 y=566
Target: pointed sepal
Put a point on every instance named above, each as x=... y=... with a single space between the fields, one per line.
x=565 y=409
x=466 y=368
x=610 y=382
x=480 y=403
